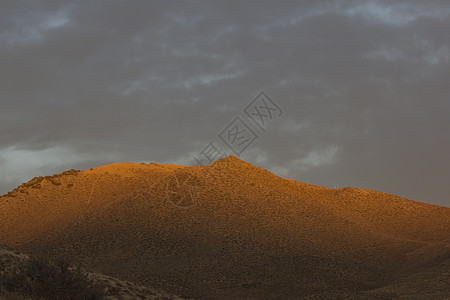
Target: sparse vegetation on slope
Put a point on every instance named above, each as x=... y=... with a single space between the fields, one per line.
x=22 y=277
x=46 y=203
x=40 y=278
x=244 y=233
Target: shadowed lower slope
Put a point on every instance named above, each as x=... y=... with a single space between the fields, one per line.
x=234 y=230
x=24 y=277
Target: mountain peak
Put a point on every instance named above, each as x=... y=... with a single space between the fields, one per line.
x=230 y=160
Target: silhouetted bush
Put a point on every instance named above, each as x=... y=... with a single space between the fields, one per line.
x=71 y=172
x=36 y=181
x=33 y=182
x=53 y=180
x=38 y=278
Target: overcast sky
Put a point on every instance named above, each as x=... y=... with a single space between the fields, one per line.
x=364 y=88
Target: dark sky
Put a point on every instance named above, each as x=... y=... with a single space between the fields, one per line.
x=364 y=87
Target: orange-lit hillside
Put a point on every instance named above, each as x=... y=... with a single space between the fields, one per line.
x=230 y=230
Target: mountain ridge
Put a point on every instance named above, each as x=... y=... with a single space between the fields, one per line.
x=230 y=229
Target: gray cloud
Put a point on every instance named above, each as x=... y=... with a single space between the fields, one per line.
x=364 y=86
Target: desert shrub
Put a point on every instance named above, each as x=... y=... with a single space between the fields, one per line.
x=53 y=180
x=38 y=278
x=32 y=182
x=71 y=172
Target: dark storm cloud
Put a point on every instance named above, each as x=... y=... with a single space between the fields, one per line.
x=364 y=86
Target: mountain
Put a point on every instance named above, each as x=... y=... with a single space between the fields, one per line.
x=232 y=230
